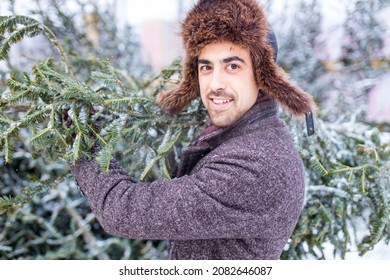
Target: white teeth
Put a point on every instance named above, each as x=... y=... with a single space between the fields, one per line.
x=220 y=101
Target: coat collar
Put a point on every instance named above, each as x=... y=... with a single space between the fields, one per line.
x=262 y=112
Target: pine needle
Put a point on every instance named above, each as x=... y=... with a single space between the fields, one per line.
x=318 y=167
x=148 y=167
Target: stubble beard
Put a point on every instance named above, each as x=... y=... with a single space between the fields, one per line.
x=224 y=118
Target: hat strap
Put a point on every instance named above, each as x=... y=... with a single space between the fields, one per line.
x=309 y=123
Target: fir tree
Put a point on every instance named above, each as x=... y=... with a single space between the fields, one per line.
x=35 y=183
x=362 y=51
x=100 y=113
x=346 y=154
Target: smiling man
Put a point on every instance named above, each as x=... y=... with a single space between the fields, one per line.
x=226 y=82
x=239 y=191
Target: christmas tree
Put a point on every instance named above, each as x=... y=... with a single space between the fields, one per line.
x=69 y=102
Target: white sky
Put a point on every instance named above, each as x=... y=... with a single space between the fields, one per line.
x=149 y=9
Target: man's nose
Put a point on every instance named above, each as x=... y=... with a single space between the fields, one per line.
x=218 y=81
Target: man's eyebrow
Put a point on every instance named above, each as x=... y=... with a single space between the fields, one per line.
x=233 y=58
x=203 y=61
x=225 y=60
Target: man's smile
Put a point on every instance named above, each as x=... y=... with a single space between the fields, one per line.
x=220 y=103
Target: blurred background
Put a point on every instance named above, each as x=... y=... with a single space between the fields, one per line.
x=342 y=37
x=337 y=50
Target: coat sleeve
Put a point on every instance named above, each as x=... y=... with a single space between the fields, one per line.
x=225 y=198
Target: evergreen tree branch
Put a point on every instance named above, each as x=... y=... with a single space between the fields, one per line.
x=32 y=27
x=11 y=204
x=88 y=237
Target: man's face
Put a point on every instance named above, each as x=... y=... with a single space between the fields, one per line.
x=227 y=84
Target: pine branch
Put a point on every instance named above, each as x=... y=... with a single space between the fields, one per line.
x=169 y=141
x=11 y=204
x=90 y=240
x=120 y=115
x=348 y=181
x=54 y=232
x=12 y=35
x=149 y=165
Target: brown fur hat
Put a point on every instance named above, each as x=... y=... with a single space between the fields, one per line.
x=243 y=23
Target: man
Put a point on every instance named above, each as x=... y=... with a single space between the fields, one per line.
x=240 y=190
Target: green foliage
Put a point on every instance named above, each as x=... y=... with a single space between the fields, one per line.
x=349 y=188
x=15 y=28
x=100 y=113
x=59 y=111
x=11 y=34
x=9 y=204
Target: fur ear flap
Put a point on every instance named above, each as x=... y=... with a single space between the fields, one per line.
x=168 y=100
x=274 y=81
x=174 y=100
x=290 y=97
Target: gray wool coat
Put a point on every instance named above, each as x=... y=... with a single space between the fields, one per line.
x=238 y=195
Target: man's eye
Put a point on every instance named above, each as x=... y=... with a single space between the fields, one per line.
x=233 y=67
x=205 y=68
